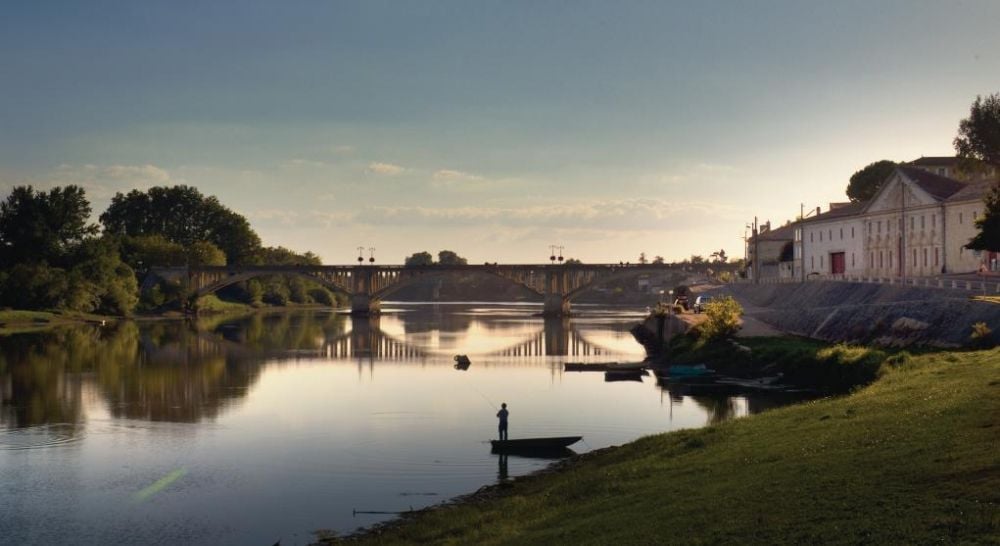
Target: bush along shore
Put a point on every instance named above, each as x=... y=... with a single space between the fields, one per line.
x=912 y=458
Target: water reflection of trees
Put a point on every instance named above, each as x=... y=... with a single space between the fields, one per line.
x=41 y=378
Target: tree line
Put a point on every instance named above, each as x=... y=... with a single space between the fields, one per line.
x=52 y=257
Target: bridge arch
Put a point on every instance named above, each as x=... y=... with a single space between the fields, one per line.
x=406 y=281
x=230 y=280
x=623 y=274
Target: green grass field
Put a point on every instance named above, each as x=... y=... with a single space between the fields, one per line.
x=914 y=458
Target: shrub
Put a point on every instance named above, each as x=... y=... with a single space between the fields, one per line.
x=982 y=335
x=723 y=317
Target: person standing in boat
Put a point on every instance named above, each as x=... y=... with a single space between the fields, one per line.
x=502 y=415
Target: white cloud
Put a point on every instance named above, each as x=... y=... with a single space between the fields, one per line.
x=449 y=175
x=606 y=215
x=386 y=169
x=101 y=182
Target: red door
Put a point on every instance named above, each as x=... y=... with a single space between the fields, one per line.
x=838 y=264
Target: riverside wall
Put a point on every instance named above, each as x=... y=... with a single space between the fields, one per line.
x=880 y=314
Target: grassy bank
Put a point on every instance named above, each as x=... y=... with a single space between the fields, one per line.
x=17 y=321
x=801 y=362
x=913 y=458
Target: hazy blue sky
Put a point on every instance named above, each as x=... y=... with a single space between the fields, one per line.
x=490 y=128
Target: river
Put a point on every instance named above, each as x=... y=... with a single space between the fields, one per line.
x=270 y=427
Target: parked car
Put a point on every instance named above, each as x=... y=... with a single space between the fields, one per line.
x=700 y=302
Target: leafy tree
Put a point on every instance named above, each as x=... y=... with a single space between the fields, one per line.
x=864 y=184
x=988 y=237
x=979 y=134
x=722 y=317
x=419 y=259
x=719 y=256
x=182 y=215
x=696 y=259
x=642 y=258
x=448 y=257
x=43 y=227
x=658 y=260
x=573 y=261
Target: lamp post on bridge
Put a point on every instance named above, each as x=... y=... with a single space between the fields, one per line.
x=361 y=257
x=371 y=255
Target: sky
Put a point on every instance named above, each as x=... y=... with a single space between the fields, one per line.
x=493 y=129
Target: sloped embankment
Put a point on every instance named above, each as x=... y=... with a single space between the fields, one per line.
x=889 y=315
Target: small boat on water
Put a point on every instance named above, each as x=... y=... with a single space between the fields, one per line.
x=624 y=375
x=688 y=370
x=532 y=444
x=602 y=366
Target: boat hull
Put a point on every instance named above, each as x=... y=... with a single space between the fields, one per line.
x=527 y=444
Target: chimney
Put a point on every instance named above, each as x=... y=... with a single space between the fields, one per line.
x=817 y=211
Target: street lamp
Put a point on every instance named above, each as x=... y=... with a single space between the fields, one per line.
x=371 y=254
x=361 y=251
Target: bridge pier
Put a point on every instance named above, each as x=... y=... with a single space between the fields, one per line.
x=555 y=306
x=363 y=305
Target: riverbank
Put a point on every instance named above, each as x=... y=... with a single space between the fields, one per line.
x=912 y=458
x=13 y=321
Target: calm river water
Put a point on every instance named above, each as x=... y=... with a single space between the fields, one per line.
x=251 y=430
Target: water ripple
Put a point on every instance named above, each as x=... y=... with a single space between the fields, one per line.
x=41 y=436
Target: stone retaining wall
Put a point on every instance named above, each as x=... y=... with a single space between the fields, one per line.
x=891 y=315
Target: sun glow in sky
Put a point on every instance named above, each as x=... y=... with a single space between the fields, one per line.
x=493 y=129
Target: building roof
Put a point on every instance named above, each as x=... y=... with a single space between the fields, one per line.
x=784 y=233
x=935 y=161
x=939 y=187
x=851 y=209
x=974 y=191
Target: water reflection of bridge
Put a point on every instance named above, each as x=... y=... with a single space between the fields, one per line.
x=366 y=339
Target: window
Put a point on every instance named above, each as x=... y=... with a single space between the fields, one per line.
x=880 y=259
x=914 y=257
x=852 y=259
x=821 y=236
x=821 y=261
x=942 y=171
x=925 y=257
x=841 y=234
x=975 y=213
x=922 y=223
x=870 y=228
x=880 y=226
x=829 y=235
x=960 y=218
x=812 y=262
x=852 y=232
x=810 y=237
x=871 y=259
x=937 y=257
x=911 y=223
x=933 y=221
x=890 y=259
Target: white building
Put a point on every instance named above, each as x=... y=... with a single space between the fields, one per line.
x=917 y=225
x=831 y=243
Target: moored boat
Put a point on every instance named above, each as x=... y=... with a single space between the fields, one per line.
x=602 y=366
x=519 y=444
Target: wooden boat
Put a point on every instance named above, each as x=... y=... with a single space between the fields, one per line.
x=624 y=375
x=532 y=444
x=602 y=366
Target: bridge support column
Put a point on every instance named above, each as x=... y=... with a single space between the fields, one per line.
x=555 y=306
x=364 y=305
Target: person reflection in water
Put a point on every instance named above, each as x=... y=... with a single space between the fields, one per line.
x=502 y=415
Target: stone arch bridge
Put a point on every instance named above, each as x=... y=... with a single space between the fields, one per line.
x=368 y=285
